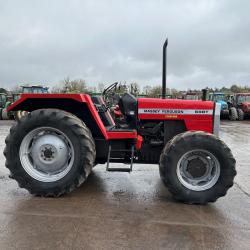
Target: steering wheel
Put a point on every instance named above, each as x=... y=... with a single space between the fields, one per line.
x=109 y=88
x=109 y=94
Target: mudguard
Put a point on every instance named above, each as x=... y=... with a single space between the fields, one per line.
x=80 y=105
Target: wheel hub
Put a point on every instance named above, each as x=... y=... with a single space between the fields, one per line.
x=46 y=154
x=49 y=153
x=198 y=170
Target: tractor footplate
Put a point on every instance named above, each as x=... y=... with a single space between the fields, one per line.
x=122 y=169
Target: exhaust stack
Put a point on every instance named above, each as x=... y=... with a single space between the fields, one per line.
x=204 y=94
x=164 y=69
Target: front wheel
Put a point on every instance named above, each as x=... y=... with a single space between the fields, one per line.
x=49 y=152
x=233 y=115
x=197 y=167
x=240 y=114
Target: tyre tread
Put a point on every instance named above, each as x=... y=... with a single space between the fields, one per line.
x=171 y=149
x=86 y=144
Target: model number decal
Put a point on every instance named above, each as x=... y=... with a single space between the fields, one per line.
x=176 y=111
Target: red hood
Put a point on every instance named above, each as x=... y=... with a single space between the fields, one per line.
x=196 y=115
x=174 y=103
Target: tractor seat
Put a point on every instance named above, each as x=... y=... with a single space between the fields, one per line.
x=128 y=107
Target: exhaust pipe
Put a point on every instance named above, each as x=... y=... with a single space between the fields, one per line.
x=204 y=94
x=164 y=69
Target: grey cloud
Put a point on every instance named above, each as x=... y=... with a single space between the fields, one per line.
x=106 y=41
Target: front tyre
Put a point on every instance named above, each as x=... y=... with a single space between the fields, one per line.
x=197 y=167
x=49 y=152
x=233 y=115
x=240 y=114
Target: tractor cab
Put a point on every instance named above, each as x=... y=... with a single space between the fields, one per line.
x=220 y=98
x=35 y=89
x=242 y=104
x=243 y=98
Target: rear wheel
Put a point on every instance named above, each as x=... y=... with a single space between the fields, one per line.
x=49 y=152
x=240 y=114
x=197 y=167
x=233 y=115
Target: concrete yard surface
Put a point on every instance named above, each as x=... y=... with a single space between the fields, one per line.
x=128 y=211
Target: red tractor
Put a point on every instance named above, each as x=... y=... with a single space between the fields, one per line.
x=53 y=149
x=240 y=106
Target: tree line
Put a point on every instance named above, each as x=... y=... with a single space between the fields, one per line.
x=80 y=86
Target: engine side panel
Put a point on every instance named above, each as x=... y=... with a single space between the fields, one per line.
x=197 y=115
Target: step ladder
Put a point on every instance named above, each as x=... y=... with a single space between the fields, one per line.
x=122 y=169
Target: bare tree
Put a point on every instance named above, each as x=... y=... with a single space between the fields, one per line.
x=155 y=92
x=134 y=88
x=71 y=86
x=16 y=89
x=100 y=87
x=147 y=89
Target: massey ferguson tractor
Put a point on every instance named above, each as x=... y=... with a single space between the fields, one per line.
x=52 y=150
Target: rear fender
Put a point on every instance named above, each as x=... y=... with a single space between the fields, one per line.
x=80 y=105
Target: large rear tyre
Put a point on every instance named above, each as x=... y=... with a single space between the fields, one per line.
x=240 y=114
x=233 y=115
x=197 y=167
x=50 y=152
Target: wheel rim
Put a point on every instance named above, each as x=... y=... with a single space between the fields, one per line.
x=46 y=154
x=198 y=170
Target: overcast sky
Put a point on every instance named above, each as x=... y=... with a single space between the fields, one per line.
x=106 y=41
